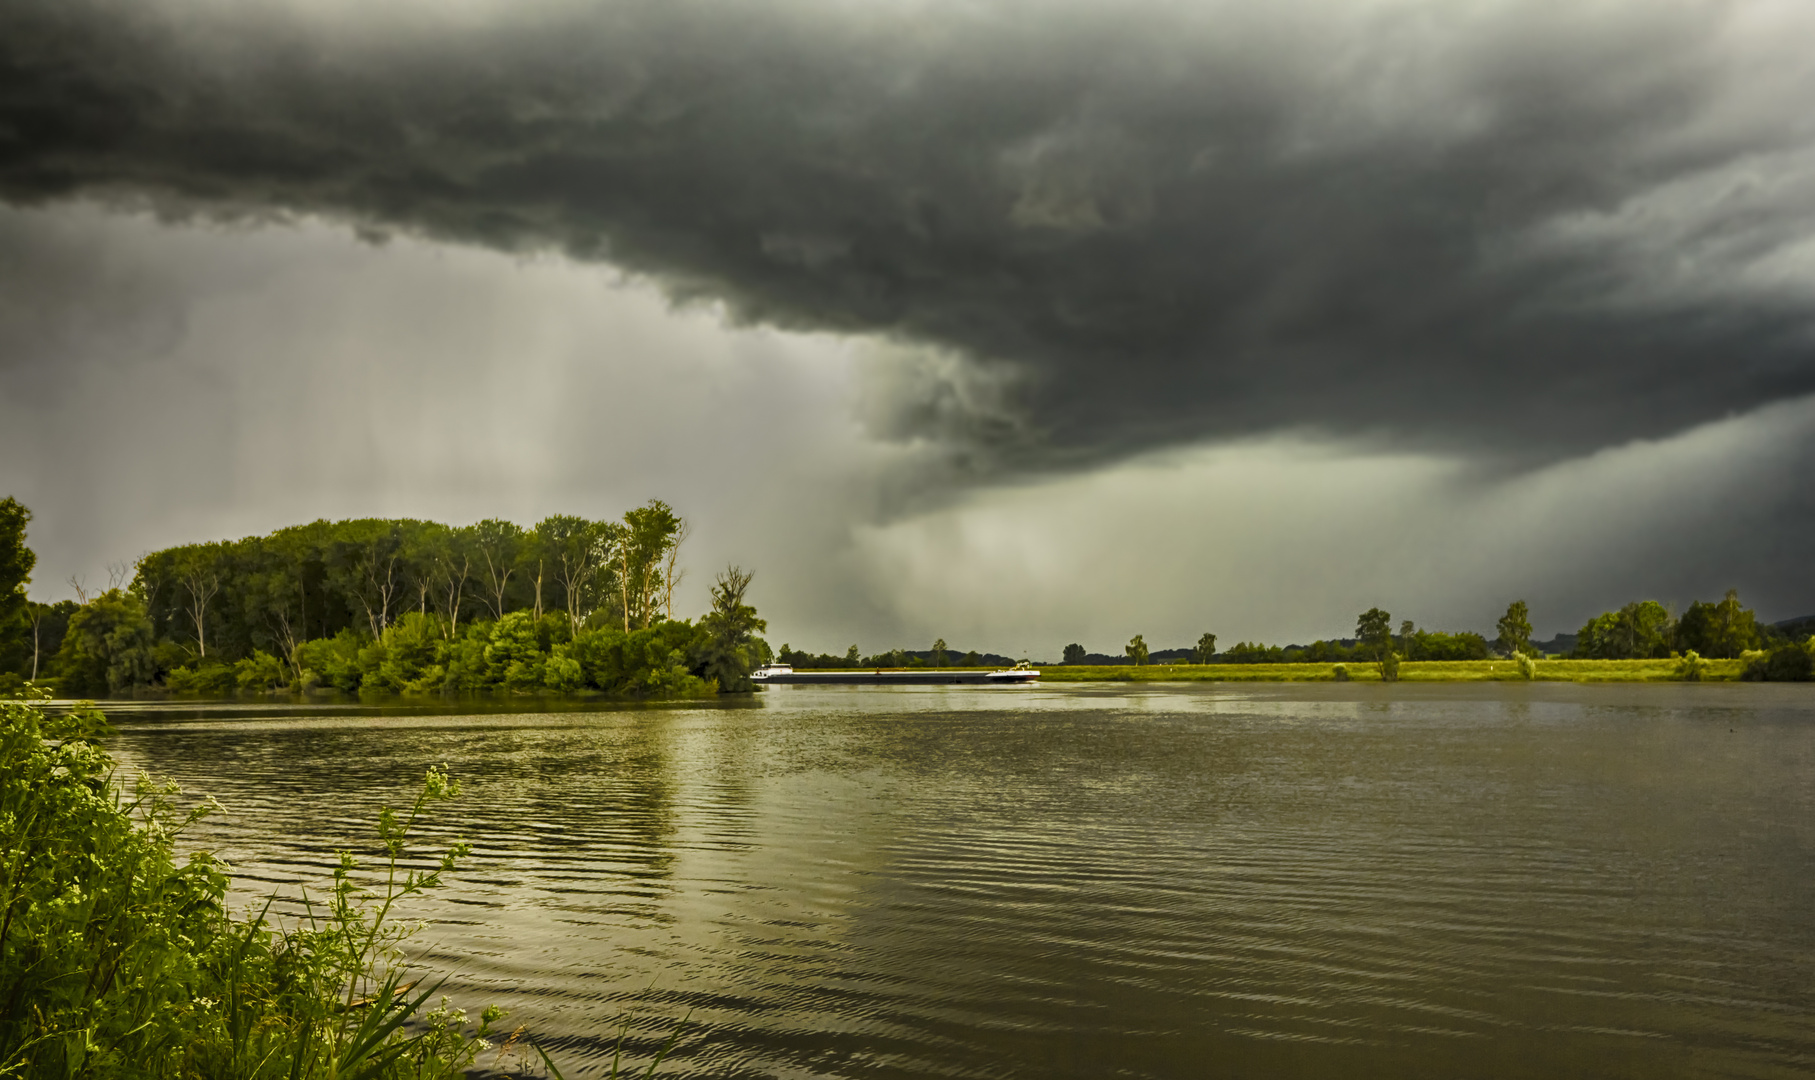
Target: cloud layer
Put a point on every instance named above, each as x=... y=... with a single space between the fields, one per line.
x=1091 y=231
x=189 y=382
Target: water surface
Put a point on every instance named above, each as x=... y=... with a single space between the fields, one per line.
x=1163 y=881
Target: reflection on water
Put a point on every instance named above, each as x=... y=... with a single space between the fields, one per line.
x=1329 y=881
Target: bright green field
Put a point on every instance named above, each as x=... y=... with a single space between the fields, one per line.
x=1409 y=671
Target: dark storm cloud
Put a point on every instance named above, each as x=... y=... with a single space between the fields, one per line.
x=1494 y=227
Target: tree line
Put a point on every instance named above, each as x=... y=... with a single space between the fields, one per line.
x=938 y=656
x=391 y=604
x=1644 y=629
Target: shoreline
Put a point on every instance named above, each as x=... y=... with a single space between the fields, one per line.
x=1578 y=671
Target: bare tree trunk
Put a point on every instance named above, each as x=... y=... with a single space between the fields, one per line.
x=538 y=590
x=286 y=636
x=201 y=590
x=624 y=582
x=672 y=575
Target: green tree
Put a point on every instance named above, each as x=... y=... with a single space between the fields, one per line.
x=108 y=648
x=731 y=649
x=1074 y=653
x=272 y=592
x=576 y=553
x=367 y=563
x=1638 y=631
x=1723 y=629
x=1206 y=648
x=939 y=653
x=16 y=563
x=642 y=549
x=851 y=656
x=1515 y=628
x=1374 y=628
x=1136 y=650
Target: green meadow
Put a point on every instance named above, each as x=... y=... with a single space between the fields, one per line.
x=1580 y=671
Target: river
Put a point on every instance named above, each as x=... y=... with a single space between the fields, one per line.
x=1076 y=881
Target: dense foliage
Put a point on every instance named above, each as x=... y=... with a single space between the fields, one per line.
x=119 y=960
x=397 y=606
x=1644 y=629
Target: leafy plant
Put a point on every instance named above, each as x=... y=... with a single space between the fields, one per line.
x=117 y=960
x=1528 y=667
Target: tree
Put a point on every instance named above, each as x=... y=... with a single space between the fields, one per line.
x=851 y=656
x=108 y=646
x=495 y=545
x=648 y=533
x=1723 y=629
x=1136 y=650
x=198 y=574
x=671 y=569
x=367 y=562
x=1206 y=648
x=452 y=557
x=274 y=592
x=729 y=651
x=1074 y=653
x=1638 y=631
x=16 y=563
x=939 y=653
x=1515 y=629
x=1374 y=628
x=577 y=552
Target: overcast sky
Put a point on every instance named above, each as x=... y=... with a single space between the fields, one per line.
x=1012 y=323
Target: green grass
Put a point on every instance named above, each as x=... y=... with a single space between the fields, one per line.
x=1409 y=671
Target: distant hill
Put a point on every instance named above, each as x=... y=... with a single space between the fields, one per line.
x=1801 y=626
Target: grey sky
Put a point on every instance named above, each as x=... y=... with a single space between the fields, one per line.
x=1041 y=322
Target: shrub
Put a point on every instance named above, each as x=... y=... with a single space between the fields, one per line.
x=1528 y=667
x=334 y=661
x=1787 y=663
x=1691 y=667
x=121 y=962
x=213 y=678
x=1340 y=673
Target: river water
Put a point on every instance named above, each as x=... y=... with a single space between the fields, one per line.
x=1163 y=881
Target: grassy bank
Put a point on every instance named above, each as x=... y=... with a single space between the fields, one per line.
x=1580 y=671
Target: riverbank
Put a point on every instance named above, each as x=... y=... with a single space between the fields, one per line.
x=1580 y=671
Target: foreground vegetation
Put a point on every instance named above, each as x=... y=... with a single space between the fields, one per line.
x=119 y=960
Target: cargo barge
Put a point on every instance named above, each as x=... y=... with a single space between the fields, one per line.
x=776 y=674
